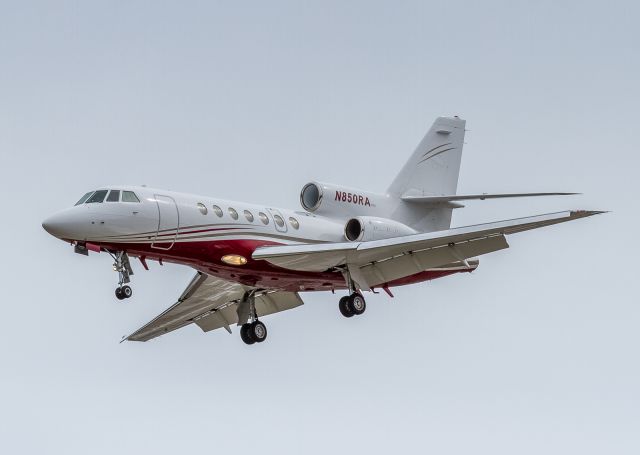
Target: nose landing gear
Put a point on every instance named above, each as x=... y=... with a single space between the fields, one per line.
x=124 y=292
x=123 y=267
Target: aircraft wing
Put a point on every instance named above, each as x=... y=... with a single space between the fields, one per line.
x=212 y=303
x=378 y=262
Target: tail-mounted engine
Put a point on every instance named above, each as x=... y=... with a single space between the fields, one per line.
x=333 y=200
x=366 y=228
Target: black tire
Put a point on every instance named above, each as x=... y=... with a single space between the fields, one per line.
x=258 y=331
x=126 y=291
x=244 y=334
x=119 y=294
x=356 y=303
x=343 y=305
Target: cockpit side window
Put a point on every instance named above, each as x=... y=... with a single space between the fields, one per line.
x=114 y=196
x=84 y=198
x=129 y=196
x=98 y=196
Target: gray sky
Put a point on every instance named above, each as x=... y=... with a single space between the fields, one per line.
x=536 y=351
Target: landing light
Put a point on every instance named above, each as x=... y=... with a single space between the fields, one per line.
x=234 y=259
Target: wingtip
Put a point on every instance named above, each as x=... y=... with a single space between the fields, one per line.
x=585 y=213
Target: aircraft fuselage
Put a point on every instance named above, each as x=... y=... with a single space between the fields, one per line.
x=199 y=231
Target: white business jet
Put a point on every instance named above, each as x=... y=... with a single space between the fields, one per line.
x=253 y=260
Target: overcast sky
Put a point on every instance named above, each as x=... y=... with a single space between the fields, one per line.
x=535 y=352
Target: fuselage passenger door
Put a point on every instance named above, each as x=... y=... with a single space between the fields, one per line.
x=168 y=222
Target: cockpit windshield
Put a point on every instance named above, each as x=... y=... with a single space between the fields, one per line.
x=84 y=198
x=98 y=196
x=114 y=196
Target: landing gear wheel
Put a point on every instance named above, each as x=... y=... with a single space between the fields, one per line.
x=126 y=291
x=244 y=334
x=343 y=305
x=258 y=331
x=356 y=303
x=119 y=294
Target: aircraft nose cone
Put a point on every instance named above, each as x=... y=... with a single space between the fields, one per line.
x=53 y=225
x=64 y=225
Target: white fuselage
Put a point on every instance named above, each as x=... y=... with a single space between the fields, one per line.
x=201 y=231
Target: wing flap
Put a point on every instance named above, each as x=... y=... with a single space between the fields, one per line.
x=266 y=304
x=413 y=262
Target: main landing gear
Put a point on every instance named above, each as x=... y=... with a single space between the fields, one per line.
x=253 y=332
x=123 y=267
x=251 y=329
x=352 y=305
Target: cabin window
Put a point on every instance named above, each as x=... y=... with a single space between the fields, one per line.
x=98 y=196
x=217 y=210
x=278 y=219
x=264 y=218
x=129 y=196
x=84 y=198
x=114 y=196
x=202 y=208
x=233 y=213
x=249 y=216
x=294 y=222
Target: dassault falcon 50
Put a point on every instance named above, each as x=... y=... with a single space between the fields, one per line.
x=253 y=260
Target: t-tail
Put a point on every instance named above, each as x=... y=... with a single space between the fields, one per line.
x=421 y=198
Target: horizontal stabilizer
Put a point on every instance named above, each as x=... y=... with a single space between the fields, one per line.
x=412 y=196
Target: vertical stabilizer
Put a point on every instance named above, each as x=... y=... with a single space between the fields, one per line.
x=432 y=170
x=434 y=166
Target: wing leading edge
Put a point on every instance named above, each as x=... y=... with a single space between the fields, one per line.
x=381 y=261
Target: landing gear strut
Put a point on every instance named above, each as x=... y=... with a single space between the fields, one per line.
x=252 y=330
x=123 y=267
x=353 y=304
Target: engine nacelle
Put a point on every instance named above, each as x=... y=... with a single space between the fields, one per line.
x=365 y=228
x=333 y=200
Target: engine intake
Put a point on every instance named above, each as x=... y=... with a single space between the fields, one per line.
x=311 y=196
x=353 y=229
x=366 y=228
